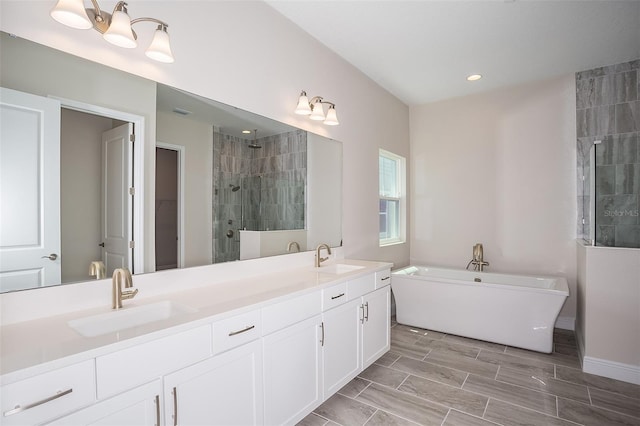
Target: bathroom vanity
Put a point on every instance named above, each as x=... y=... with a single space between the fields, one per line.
x=265 y=349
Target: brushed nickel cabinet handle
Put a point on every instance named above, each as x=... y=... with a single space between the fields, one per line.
x=336 y=297
x=19 y=409
x=157 y=401
x=244 y=330
x=175 y=407
x=322 y=338
x=362 y=312
x=385 y=278
x=366 y=316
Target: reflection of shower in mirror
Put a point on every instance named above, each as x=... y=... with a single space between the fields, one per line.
x=255 y=144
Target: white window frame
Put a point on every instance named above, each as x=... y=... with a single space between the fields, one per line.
x=401 y=198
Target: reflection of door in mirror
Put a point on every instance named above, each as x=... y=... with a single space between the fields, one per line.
x=96 y=170
x=29 y=191
x=116 y=198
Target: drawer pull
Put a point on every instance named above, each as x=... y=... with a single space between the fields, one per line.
x=244 y=330
x=385 y=278
x=336 y=297
x=322 y=338
x=366 y=315
x=20 y=409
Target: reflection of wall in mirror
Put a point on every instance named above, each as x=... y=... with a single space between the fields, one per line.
x=196 y=137
x=324 y=202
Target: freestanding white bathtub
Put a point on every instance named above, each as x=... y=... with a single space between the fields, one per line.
x=512 y=310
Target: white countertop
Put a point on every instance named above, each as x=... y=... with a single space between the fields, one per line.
x=31 y=347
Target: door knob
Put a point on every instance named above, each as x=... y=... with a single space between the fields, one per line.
x=52 y=256
x=101 y=244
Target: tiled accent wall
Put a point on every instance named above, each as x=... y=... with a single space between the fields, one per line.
x=608 y=109
x=273 y=182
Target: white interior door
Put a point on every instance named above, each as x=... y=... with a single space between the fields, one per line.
x=29 y=191
x=116 y=199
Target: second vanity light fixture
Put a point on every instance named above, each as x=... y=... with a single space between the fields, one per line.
x=313 y=108
x=115 y=27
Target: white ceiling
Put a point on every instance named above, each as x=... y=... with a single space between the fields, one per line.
x=422 y=51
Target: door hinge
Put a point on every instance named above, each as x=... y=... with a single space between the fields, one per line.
x=132 y=191
x=132 y=244
x=132 y=137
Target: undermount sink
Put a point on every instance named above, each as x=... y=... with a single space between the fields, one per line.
x=339 y=268
x=128 y=317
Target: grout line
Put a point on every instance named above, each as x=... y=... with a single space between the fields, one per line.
x=589 y=393
x=371 y=416
x=465 y=380
x=404 y=380
x=486 y=406
x=557 y=407
x=445 y=417
x=497 y=372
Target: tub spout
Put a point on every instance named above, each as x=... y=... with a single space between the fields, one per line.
x=477 y=260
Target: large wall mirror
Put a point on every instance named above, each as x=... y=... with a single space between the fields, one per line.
x=78 y=190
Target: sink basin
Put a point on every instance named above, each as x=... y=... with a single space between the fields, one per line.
x=339 y=268
x=110 y=322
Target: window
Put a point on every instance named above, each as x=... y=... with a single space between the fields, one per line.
x=392 y=198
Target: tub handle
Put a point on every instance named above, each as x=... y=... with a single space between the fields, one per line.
x=366 y=315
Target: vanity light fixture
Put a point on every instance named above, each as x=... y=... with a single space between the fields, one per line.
x=474 y=77
x=313 y=108
x=115 y=27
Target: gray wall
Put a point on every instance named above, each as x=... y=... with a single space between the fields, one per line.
x=608 y=109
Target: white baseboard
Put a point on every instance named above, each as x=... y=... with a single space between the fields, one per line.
x=614 y=370
x=566 y=323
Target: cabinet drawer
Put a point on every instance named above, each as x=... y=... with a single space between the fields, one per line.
x=383 y=278
x=235 y=331
x=49 y=395
x=280 y=315
x=334 y=296
x=360 y=286
x=134 y=366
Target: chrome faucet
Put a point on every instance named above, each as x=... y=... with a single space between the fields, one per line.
x=477 y=261
x=319 y=259
x=293 y=244
x=117 y=295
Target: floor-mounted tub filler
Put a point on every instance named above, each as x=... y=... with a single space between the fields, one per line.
x=513 y=310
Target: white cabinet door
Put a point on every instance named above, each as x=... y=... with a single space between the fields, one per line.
x=137 y=407
x=375 y=327
x=341 y=346
x=292 y=370
x=223 y=390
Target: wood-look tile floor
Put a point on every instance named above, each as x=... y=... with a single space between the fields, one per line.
x=431 y=378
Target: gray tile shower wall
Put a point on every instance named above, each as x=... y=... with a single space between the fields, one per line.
x=272 y=182
x=608 y=110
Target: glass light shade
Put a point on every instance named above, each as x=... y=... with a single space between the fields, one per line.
x=72 y=14
x=303 y=107
x=332 y=117
x=120 y=32
x=318 y=112
x=160 y=49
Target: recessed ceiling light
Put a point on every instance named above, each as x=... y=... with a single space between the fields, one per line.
x=246 y=131
x=474 y=77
